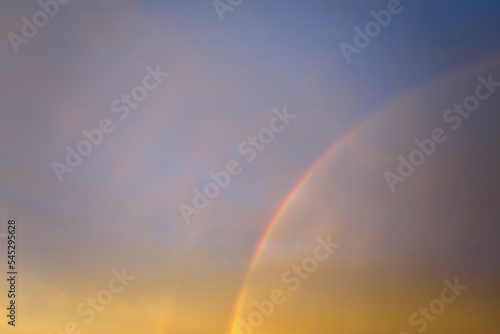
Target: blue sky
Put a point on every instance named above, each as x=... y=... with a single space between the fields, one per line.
x=120 y=206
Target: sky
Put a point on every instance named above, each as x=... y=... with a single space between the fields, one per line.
x=250 y=166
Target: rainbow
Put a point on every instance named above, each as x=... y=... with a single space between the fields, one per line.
x=292 y=194
x=310 y=172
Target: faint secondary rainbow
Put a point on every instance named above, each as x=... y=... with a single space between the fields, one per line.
x=276 y=217
x=474 y=68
